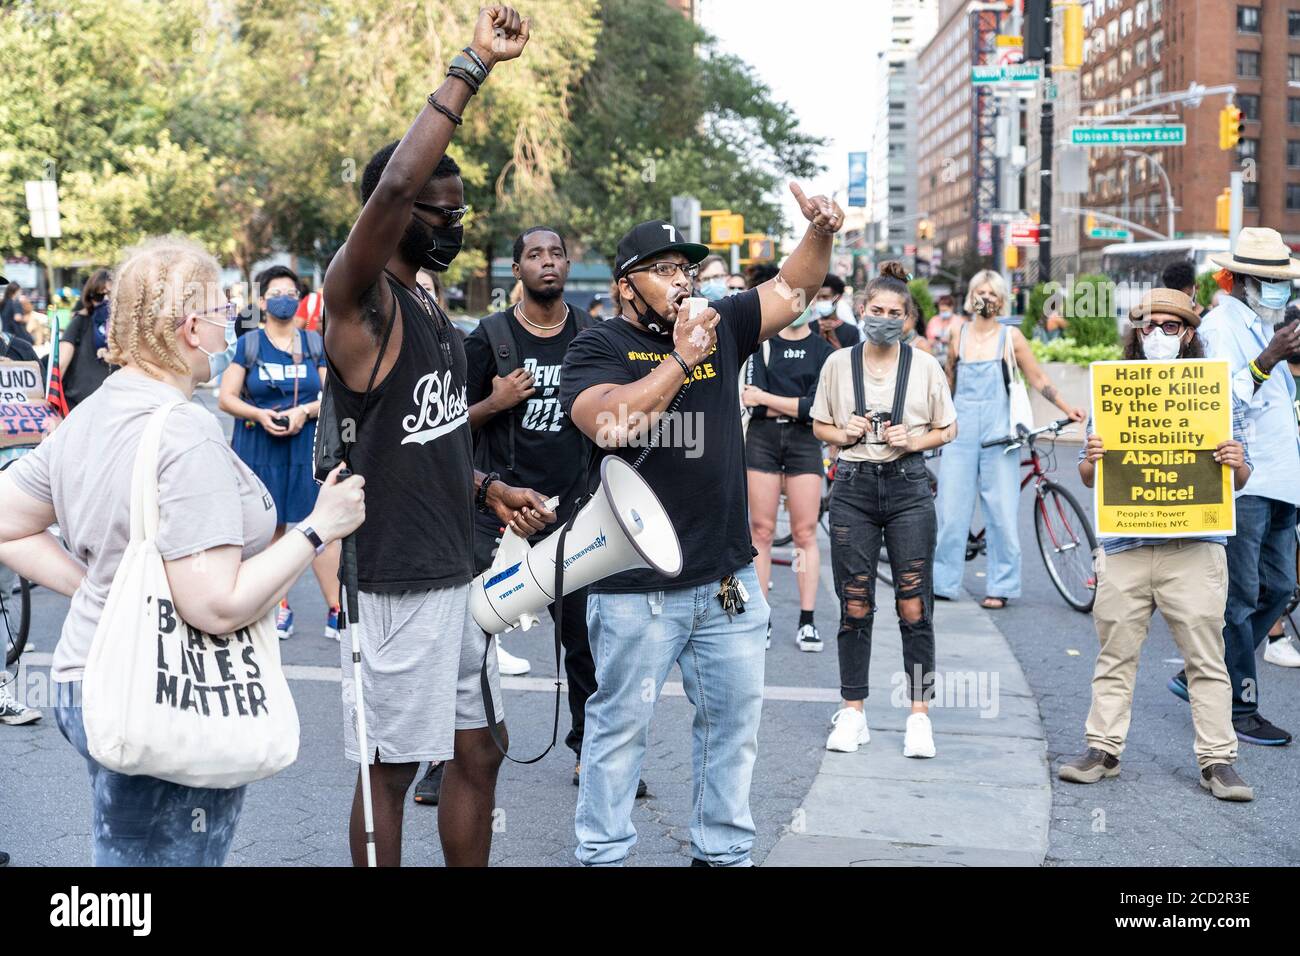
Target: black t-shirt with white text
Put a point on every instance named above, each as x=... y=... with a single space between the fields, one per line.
x=698 y=471
x=550 y=454
x=793 y=369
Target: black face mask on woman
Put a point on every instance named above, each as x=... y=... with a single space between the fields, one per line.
x=431 y=247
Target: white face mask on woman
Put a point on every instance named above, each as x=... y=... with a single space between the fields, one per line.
x=1159 y=347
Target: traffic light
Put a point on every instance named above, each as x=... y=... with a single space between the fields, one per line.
x=1013 y=257
x=1072 y=33
x=925 y=229
x=1230 y=126
x=1090 y=223
x=1038 y=14
x=1223 y=210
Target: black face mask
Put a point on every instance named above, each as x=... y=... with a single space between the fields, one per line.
x=431 y=247
x=651 y=319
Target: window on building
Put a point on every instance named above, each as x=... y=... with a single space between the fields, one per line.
x=1247 y=19
x=1126 y=23
x=1141 y=10
x=1249 y=105
x=1157 y=42
x=1140 y=54
x=1293 y=67
x=1293 y=23
x=1248 y=64
x=1293 y=110
x=1140 y=88
x=1112 y=70
x=1157 y=7
x=1247 y=148
x=1125 y=61
x=1292 y=197
x=1293 y=153
x=1099 y=41
x=1087 y=84
x=1250 y=195
x=1157 y=82
x=1112 y=32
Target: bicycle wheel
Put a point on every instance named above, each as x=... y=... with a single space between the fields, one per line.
x=1066 y=543
x=15 y=612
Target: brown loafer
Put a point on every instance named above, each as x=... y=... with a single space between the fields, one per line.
x=1225 y=783
x=1090 y=767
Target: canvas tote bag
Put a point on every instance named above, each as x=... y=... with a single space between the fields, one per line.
x=1021 y=411
x=166 y=700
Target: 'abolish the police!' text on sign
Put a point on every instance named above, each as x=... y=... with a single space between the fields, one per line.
x=1160 y=423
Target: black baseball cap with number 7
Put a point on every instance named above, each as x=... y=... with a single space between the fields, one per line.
x=649 y=239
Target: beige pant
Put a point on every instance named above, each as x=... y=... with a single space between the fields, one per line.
x=1188 y=582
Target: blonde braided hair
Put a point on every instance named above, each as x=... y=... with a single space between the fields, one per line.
x=158 y=284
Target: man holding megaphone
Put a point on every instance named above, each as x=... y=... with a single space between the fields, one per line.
x=656 y=386
x=398 y=380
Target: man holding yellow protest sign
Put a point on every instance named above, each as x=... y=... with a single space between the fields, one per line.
x=1165 y=453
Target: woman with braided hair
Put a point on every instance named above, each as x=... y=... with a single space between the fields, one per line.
x=215 y=523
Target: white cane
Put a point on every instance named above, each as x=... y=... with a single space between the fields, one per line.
x=363 y=747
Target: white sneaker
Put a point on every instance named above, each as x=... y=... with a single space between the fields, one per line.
x=1283 y=653
x=849 y=732
x=918 y=740
x=809 y=640
x=14 y=713
x=509 y=665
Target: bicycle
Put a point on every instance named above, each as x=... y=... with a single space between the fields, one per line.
x=15 y=607
x=1066 y=541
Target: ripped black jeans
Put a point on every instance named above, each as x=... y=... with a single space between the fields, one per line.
x=871 y=501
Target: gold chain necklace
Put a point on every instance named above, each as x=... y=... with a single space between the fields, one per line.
x=519 y=311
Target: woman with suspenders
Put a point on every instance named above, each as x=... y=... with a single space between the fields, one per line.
x=884 y=404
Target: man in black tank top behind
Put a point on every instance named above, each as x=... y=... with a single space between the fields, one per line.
x=412 y=445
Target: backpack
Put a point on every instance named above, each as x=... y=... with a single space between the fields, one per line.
x=505 y=350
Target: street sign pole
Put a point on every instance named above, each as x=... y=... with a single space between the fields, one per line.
x=1234 y=214
x=1047 y=134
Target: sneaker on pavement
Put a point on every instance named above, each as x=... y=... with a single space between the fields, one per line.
x=14 y=713
x=1178 y=686
x=918 y=737
x=1282 y=652
x=430 y=785
x=284 y=621
x=1254 y=729
x=508 y=664
x=1089 y=767
x=332 y=624
x=809 y=640
x=577 y=773
x=850 y=731
x=1222 y=781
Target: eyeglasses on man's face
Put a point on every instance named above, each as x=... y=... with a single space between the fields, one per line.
x=666 y=269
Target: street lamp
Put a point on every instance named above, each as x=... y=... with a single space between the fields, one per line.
x=1169 y=190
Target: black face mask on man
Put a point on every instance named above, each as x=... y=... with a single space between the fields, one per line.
x=651 y=318
x=431 y=247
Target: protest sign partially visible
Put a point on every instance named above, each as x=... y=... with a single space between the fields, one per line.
x=25 y=418
x=1160 y=423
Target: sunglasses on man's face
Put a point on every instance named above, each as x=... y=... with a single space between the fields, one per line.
x=453 y=216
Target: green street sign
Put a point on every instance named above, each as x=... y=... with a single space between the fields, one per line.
x=1172 y=135
x=1012 y=73
x=1120 y=234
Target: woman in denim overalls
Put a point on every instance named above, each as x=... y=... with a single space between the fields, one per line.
x=983 y=413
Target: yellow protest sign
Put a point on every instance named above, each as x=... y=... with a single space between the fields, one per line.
x=1160 y=423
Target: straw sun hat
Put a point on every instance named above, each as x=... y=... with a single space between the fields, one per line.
x=1262 y=253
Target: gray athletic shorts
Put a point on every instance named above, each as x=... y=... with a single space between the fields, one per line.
x=420 y=658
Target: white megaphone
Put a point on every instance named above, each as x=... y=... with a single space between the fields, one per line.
x=623 y=526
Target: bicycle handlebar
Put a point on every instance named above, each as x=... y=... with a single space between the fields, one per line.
x=1015 y=441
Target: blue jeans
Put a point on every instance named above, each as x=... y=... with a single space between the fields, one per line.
x=144 y=821
x=635 y=639
x=1261 y=577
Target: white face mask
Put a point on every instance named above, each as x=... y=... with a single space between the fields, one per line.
x=1160 y=347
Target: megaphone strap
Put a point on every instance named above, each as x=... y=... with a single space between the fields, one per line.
x=486 y=686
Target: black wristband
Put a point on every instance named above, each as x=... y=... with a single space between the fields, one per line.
x=444 y=110
x=480 y=497
x=686 y=369
x=465 y=77
x=478 y=60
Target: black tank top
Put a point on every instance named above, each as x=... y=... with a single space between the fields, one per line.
x=413 y=447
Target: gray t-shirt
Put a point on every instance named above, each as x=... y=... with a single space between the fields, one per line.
x=207 y=497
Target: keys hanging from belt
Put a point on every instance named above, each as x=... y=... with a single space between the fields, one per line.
x=732 y=595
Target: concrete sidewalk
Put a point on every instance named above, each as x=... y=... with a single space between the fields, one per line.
x=984 y=799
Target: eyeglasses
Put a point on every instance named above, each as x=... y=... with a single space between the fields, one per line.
x=1172 y=327
x=453 y=216
x=227 y=311
x=667 y=269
